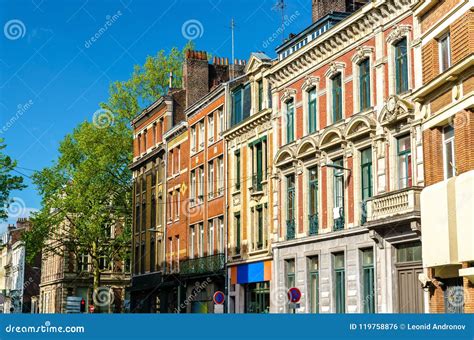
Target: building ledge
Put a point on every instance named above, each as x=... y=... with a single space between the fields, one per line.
x=467 y=272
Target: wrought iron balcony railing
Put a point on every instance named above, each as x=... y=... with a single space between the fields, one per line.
x=313 y=224
x=363 y=212
x=290 y=229
x=203 y=265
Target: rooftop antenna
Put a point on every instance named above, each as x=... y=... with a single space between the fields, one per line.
x=280 y=6
x=232 y=27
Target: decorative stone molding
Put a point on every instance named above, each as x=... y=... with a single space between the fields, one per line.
x=398 y=32
x=376 y=238
x=395 y=109
x=334 y=68
x=288 y=94
x=309 y=83
x=363 y=52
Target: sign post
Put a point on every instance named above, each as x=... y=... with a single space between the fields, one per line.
x=218 y=298
x=294 y=296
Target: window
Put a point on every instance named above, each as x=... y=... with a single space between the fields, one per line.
x=257 y=164
x=210 y=179
x=210 y=238
x=260 y=95
x=83 y=263
x=177 y=252
x=339 y=282
x=368 y=280
x=444 y=52
x=193 y=187
x=366 y=173
x=201 y=185
x=290 y=121
x=221 y=126
x=290 y=207
x=176 y=202
x=409 y=252
x=201 y=240
x=237 y=170
x=145 y=137
x=193 y=138
x=237 y=233
x=240 y=104
x=152 y=255
x=338 y=194
x=142 y=259
x=220 y=175
x=364 y=84
x=136 y=260
x=312 y=110
x=170 y=206
x=192 y=242
x=139 y=144
x=171 y=253
x=221 y=235
x=210 y=131
x=313 y=270
x=290 y=273
x=313 y=200
x=448 y=152
x=259 y=227
x=337 y=98
x=201 y=135
x=153 y=211
x=154 y=133
x=401 y=66
x=404 y=162
x=176 y=165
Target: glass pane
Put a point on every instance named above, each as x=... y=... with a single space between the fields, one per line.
x=367 y=257
x=290 y=266
x=339 y=261
x=449 y=159
x=404 y=144
x=366 y=156
x=313 y=264
x=409 y=252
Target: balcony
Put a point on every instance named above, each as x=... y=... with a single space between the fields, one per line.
x=446 y=224
x=203 y=265
x=290 y=229
x=394 y=205
x=313 y=224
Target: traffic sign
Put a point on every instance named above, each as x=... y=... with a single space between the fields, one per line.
x=218 y=298
x=294 y=295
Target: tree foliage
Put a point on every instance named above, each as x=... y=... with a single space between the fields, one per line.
x=8 y=181
x=88 y=188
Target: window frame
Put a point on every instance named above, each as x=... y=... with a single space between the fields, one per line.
x=450 y=140
x=312 y=110
x=401 y=61
x=447 y=38
x=364 y=85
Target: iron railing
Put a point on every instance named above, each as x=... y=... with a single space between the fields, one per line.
x=290 y=229
x=313 y=224
x=202 y=265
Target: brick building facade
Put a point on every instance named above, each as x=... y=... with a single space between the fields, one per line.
x=445 y=100
x=349 y=169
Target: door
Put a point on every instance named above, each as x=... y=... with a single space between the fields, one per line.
x=410 y=293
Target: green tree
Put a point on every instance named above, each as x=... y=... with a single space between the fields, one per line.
x=8 y=182
x=88 y=188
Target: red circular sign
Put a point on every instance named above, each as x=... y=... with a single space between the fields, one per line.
x=218 y=298
x=294 y=295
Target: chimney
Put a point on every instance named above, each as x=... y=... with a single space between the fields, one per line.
x=321 y=8
x=195 y=76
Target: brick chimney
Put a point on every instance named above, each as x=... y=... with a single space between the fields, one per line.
x=195 y=76
x=321 y=8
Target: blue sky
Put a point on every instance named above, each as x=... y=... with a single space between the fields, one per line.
x=52 y=76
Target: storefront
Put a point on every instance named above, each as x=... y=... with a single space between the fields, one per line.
x=249 y=289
